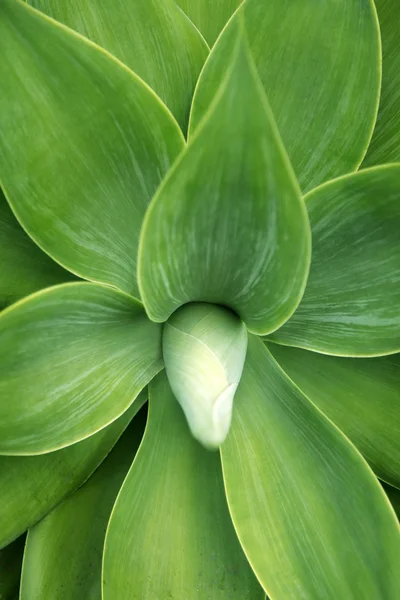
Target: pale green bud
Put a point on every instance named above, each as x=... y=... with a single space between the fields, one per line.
x=204 y=351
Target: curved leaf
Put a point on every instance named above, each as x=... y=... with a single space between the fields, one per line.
x=361 y=396
x=228 y=225
x=92 y=144
x=170 y=535
x=209 y=16
x=394 y=496
x=64 y=551
x=84 y=352
x=10 y=569
x=311 y=517
x=24 y=268
x=31 y=486
x=152 y=37
x=351 y=303
x=385 y=145
x=319 y=63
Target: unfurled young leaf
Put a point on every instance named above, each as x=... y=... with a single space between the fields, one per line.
x=254 y=261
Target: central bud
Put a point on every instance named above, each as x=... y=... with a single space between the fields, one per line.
x=204 y=349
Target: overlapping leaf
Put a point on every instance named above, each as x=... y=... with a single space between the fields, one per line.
x=209 y=16
x=152 y=37
x=31 y=486
x=64 y=551
x=362 y=396
x=228 y=225
x=72 y=359
x=320 y=65
x=91 y=145
x=351 y=303
x=170 y=535
x=385 y=147
x=311 y=517
x=24 y=268
x=10 y=569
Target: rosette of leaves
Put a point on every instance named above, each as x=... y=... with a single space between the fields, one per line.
x=232 y=215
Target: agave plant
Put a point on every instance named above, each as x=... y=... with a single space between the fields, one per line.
x=217 y=232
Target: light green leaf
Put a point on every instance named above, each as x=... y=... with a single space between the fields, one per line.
x=209 y=16
x=152 y=37
x=92 y=144
x=228 y=225
x=385 y=144
x=311 y=517
x=320 y=65
x=64 y=551
x=361 y=396
x=31 y=486
x=10 y=569
x=351 y=303
x=170 y=535
x=72 y=359
x=24 y=268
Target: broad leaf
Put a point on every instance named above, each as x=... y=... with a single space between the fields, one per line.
x=228 y=225
x=170 y=535
x=351 y=303
x=92 y=144
x=10 y=569
x=320 y=65
x=209 y=16
x=31 y=486
x=361 y=396
x=24 y=268
x=385 y=146
x=72 y=359
x=311 y=517
x=64 y=551
x=152 y=37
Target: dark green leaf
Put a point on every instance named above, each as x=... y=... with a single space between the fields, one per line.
x=10 y=569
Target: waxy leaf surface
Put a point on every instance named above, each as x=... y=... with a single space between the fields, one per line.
x=31 y=486
x=24 y=268
x=228 y=225
x=209 y=16
x=63 y=555
x=319 y=63
x=385 y=146
x=360 y=395
x=310 y=515
x=72 y=359
x=351 y=303
x=84 y=144
x=152 y=37
x=170 y=535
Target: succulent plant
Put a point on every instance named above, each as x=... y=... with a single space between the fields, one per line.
x=200 y=209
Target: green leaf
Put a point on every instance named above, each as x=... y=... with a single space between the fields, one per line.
x=93 y=143
x=361 y=396
x=170 y=535
x=10 y=569
x=385 y=146
x=72 y=359
x=351 y=303
x=31 y=486
x=311 y=517
x=24 y=268
x=209 y=16
x=228 y=225
x=64 y=551
x=320 y=65
x=152 y=37
x=394 y=496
